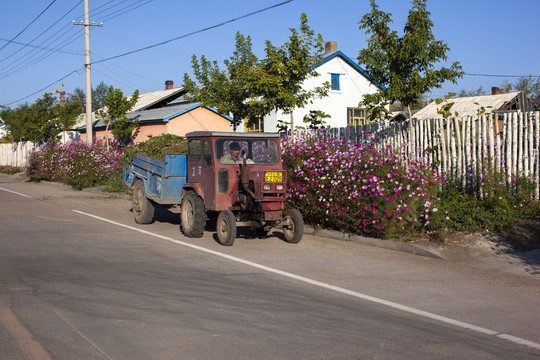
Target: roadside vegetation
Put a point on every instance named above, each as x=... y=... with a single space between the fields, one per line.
x=10 y=170
x=361 y=189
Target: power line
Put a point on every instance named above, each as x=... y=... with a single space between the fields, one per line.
x=125 y=12
x=195 y=32
x=42 y=33
x=159 y=44
x=504 y=76
x=6 y=44
x=70 y=52
x=78 y=71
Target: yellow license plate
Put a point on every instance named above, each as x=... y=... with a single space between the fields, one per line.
x=273 y=177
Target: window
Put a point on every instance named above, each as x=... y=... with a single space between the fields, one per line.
x=194 y=149
x=256 y=126
x=334 y=81
x=357 y=117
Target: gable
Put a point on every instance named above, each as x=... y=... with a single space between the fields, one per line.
x=332 y=58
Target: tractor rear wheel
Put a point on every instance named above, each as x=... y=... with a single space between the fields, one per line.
x=226 y=228
x=294 y=231
x=193 y=215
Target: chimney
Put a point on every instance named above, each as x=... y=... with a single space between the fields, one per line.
x=495 y=90
x=330 y=47
x=169 y=84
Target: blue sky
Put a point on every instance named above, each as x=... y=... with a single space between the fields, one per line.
x=489 y=37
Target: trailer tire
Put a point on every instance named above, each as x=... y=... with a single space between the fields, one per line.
x=226 y=228
x=294 y=232
x=142 y=207
x=193 y=215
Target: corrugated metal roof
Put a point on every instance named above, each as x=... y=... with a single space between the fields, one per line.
x=468 y=106
x=155 y=115
x=148 y=99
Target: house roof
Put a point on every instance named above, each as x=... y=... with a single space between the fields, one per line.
x=469 y=106
x=351 y=63
x=158 y=115
x=148 y=100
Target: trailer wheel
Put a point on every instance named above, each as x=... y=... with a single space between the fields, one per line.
x=193 y=215
x=143 y=208
x=226 y=228
x=295 y=230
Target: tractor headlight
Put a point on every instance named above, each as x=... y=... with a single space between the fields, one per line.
x=267 y=187
x=279 y=187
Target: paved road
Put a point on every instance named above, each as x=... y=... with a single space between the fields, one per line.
x=80 y=280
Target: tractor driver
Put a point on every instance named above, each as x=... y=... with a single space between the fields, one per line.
x=233 y=157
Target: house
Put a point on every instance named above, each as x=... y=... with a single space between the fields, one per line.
x=165 y=112
x=349 y=82
x=495 y=103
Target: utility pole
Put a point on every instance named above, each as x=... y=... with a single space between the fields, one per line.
x=89 y=130
x=62 y=94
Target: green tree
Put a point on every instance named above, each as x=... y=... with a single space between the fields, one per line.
x=232 y=90
x=99 y=96
x=404 y=65
x=114 y=114
x=287 y=67
x=477 y=92
x=41 y=121
x=529 y=86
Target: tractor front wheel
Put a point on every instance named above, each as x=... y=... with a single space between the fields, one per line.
x=226 y=228
x=294 y=228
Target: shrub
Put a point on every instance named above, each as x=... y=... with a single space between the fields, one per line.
x=76 y=164
x=364 y=189
x=10 y=170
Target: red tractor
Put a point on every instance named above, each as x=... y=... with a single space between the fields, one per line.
x=237 y=177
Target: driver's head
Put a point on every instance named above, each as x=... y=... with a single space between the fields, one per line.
x=235 y=148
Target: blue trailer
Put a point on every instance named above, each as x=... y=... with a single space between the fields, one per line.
x=159 y=181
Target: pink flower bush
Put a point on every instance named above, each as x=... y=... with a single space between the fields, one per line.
x=76 y=164
x=364 y=189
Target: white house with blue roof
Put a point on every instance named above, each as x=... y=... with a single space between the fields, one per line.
x=349 y=83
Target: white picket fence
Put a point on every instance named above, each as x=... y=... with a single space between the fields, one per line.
x=465 y=148
x=15 y=154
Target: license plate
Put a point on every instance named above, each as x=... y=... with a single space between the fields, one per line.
x=273 y=177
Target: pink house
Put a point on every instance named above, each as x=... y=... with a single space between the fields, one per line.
x=165 y=112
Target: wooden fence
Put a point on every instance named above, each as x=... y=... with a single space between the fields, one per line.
x=15 y=154
x=465 y=148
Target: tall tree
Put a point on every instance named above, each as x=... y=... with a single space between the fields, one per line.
x=404 y=65
x=529 y=86
x=43 y=120
x=232 y=90
x=99 y=96
x=287 y=67
x=114 y=113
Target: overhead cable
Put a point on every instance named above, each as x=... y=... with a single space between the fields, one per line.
x=37 y=17
x=194 y=32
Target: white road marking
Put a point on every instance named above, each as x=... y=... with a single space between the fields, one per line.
x=14 y=192
x=356 y=294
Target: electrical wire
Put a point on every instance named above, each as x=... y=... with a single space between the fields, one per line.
x=125 y=12
x=16 y=36
x=504 y=76
x=43 y=32
x=156 y=45
x=78 y=71
x=69 y=52
x=195 y=32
